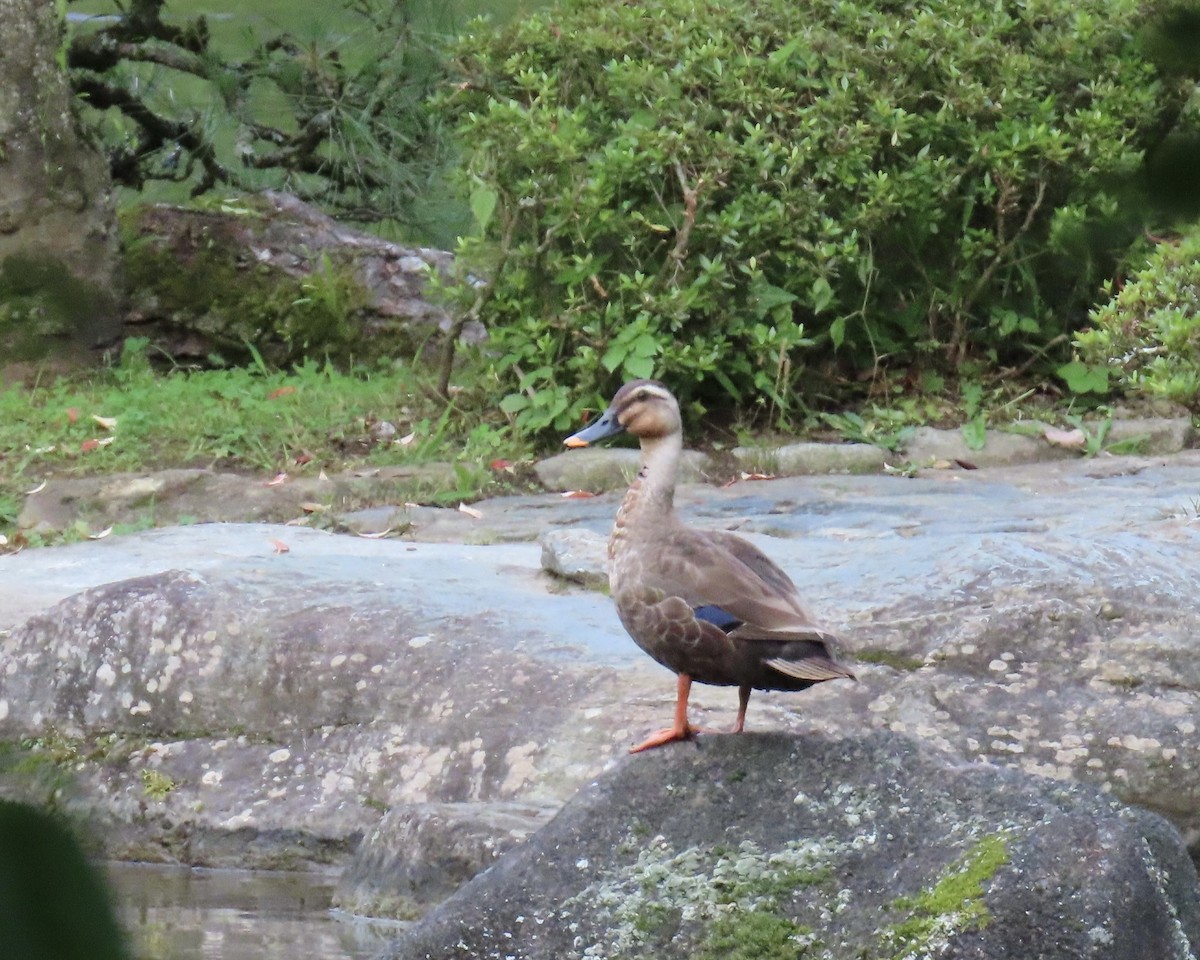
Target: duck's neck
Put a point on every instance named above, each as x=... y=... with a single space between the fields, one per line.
x=650 y=499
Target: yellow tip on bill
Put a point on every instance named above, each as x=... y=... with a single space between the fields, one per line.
x=574 y=442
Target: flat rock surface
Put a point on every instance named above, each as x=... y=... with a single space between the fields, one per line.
x=610 y=468
x=1039 y=617
x=797 y=459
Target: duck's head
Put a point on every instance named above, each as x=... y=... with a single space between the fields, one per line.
x=644 y=408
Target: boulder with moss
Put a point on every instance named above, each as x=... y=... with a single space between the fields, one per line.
x=273 y=273
x=772 y=847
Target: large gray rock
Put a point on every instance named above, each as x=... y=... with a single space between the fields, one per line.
x=197 y=495
x=195 y=268
x=609 y=468
x=1000 y=449
x=1152 y=435
x=580 y=556
x=1041 y=618
x=263 y=708
x=772 y=846
x=800 y=459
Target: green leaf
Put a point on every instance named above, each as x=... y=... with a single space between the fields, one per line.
x=837 y=332
x=614 y=356
x=974 y=432
x=55 y=905
x=514 y=402
x=1083 y=378
x=972 y=398
x=784 y=53
x=642 y=120
x=728 y=384
x=483 y=206
x=645 y=346
x=768 y=297
x=822 y=296
x=639 y=367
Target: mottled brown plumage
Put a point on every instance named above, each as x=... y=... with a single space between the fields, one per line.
x=708 y=605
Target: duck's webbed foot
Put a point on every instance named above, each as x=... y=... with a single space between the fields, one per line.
x=680 y=729
x=666 y=735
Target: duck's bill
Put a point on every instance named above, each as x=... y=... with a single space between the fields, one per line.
x=605 y=425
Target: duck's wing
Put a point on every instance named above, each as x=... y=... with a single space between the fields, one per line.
x=732 y=584
x=755 y=559
x=815 y=668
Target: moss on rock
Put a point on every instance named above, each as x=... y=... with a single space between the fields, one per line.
x=199 y=281
x=955 y=904
x=43 y=305
x=759 y=934
x=890 y=658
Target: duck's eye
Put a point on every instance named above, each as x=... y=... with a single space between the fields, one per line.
x=641 y=395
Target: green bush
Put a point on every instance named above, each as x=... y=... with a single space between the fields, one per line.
x=1149 y=333
x=747 y=197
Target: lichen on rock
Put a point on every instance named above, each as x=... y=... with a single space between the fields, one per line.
x=705 y=894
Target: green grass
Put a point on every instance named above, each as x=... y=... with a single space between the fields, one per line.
x=254 y=420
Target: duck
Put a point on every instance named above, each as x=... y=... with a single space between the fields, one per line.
x=706 y=604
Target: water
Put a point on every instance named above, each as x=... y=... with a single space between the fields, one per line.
x=178 y=913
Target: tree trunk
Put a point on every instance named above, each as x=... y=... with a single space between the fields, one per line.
x=59 y=265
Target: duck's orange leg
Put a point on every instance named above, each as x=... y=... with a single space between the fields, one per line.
x=743 y=702
x=680 y=730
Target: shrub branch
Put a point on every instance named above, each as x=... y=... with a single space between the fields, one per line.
x=684 y=233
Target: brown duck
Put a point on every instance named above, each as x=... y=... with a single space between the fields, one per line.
x=706 y=604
